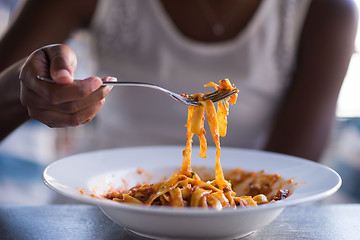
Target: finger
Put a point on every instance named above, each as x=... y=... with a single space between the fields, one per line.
x=109 y=79
x=58 y=119
x=32 y=100
x=37 y=62
x=62 y=93
x=63 y=63
x=76 y=106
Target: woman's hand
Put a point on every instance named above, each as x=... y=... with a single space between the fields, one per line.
x=66 y=102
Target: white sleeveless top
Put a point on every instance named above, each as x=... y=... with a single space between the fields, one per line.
x=135 y=40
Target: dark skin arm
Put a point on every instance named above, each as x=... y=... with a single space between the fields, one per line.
x=38 y=23
x=13 y=114
x=307 y=113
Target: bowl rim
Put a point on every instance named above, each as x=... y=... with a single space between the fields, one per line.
x=190 y=211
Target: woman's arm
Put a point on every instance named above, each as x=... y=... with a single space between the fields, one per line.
x=306 y=115
x=40 y=22
x=37 y=23
x=13 y=113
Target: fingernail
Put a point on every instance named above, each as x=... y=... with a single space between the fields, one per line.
x=62 y=74
x=112 y=79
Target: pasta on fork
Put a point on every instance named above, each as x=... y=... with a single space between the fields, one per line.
x=185 y=188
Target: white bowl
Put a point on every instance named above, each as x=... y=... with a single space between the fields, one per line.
x=86 y=175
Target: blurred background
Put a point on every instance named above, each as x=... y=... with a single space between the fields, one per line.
x=27 y=151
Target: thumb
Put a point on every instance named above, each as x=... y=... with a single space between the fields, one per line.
x=62 y=60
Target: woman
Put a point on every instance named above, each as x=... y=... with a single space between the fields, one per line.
x=288 y=58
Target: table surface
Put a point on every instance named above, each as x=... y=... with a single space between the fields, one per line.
x=338 y=221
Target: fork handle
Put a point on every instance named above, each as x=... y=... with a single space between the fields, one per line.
x=130 y=84
x=125 y=84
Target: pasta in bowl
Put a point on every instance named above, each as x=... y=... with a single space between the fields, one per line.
x=249 y=188
x=143 y=190
x=88 y=176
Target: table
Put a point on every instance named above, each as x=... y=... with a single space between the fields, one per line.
x=338 y=221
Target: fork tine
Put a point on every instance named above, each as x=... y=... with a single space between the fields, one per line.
x=216 y=93
x=210 y=95
x=182 y=99
x=220 y=96
x=226 y=95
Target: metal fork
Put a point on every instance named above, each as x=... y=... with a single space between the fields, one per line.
x=185 y=99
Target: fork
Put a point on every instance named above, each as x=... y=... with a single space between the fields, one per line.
x=185 y=99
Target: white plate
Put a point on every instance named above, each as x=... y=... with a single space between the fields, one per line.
x=80 y=176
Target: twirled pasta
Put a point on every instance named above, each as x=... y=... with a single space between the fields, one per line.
x=185 y=188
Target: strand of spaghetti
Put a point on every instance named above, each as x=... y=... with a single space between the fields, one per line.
x=186 y=165
x=245 y=201
x=214 y=202
x=168 y=183
x=208 y=186
x=203 y=144
x=217 y=200
x=197 y=114
x=212 y=84
x=166 y=187
x=197 y=127
x=224 y=202
x=211 y=116
x=230 y=195
x=197 y=195
x=163 y=188
x=174 y=180
x=176 y=197
x=156 y=195
x=202 y=202
x=222 y=113
x=130 y=199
